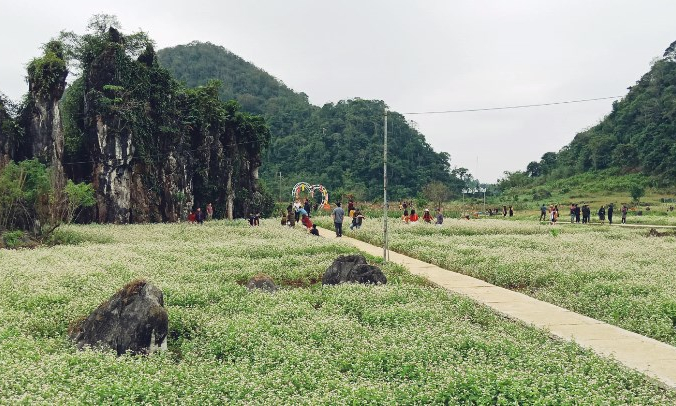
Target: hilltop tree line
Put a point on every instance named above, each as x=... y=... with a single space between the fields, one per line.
x=339 y=145
x=638 y=136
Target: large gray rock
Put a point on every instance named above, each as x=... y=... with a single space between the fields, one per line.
x=352 y=268
x=133 y=319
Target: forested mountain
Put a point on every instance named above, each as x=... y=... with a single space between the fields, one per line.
x=639 y=135
x=338 y=145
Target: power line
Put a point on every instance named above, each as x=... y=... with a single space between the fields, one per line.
x=515 y=107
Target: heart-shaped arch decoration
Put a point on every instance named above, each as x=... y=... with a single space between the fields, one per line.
x=304 y=186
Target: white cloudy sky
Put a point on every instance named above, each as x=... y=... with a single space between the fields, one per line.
x=414 y=55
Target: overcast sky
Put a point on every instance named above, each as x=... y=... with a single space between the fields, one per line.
x=415 y=55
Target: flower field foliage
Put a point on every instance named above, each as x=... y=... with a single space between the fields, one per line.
x=401 y=343
x=618 y=275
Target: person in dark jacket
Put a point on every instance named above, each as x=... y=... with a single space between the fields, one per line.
x=602 y=214
x=577 y=213
x=199 y=215
x=307 y=206
x=610 y=214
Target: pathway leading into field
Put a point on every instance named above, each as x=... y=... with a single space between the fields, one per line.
x=652 y=357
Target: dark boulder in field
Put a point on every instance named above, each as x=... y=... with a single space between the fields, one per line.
x=133 y=320
x=352 y=268
x=262 y=282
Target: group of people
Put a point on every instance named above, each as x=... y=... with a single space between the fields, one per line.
x=585 y=212
x=198 y=216
x=413 y=217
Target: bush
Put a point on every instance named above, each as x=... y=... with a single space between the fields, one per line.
x=12 y=239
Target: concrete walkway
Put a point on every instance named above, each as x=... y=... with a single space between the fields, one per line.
x=652 y=357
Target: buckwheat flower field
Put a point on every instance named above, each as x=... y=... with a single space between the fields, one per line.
x=402 y=343
x=618 y=275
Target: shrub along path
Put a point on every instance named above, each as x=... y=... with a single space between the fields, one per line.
x=652 y=357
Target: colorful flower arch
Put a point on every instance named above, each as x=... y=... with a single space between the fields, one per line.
x=304 y=186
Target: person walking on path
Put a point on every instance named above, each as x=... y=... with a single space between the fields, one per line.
x=511 y=211
x=210 y=211
x=602 y=214
x=338 y=214
x=610 y=214
x=543 y=212
x=624 y=214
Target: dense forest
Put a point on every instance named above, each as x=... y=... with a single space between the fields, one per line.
x=638 y=136
x=339 y=144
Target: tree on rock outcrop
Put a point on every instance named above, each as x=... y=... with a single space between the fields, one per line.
x=150 y=146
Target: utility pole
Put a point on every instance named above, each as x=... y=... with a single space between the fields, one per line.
x=280 y=186
x=385 y=190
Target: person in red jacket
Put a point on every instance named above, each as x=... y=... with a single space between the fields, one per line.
x=427 y=216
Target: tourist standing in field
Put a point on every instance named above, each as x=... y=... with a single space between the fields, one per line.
x=210 y=211
x=296 y=206
x=602 y=214
x=338 y=214
x=624 y=214
x=199 y=215
x=577 y=213
x=572 y=213
x=553 y=214
x=427 y=217
x=586 y=214
x=440 y=218
x=511 y=211
x=405 y=215
x=610 y=213
x=543 y=212
x=504 y=211
x=307 y=206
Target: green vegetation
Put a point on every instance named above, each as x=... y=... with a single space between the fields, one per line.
x=618 y=275
x=32 y=200
x=402 y=343
x=333 y=145
x=122 y=85
x=636 y=137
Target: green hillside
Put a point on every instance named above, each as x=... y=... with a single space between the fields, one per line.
x=338 y=145
x=638 y=136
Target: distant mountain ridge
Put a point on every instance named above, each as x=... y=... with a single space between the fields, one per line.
x=338 y=145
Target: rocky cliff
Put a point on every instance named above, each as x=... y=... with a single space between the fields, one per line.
x=152 y=149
